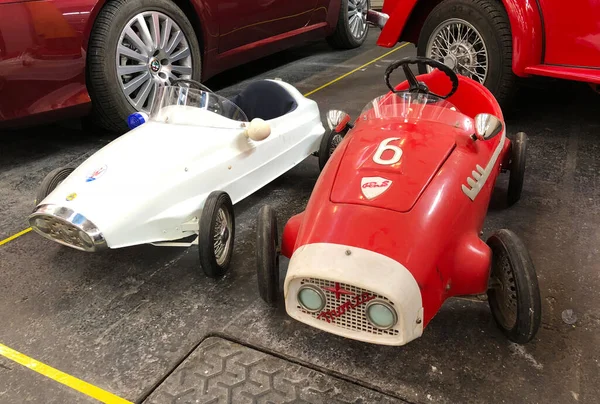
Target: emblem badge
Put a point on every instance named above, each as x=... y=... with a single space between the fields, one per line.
x=72 y=196
x=96 y=174
x=372 y=187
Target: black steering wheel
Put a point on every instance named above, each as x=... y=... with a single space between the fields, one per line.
x=191 y=83
x=416 y=86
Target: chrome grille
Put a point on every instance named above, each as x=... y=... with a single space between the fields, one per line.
x=59 y=230
x=353 y=318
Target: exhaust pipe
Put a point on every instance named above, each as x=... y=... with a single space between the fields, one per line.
x=377 y=18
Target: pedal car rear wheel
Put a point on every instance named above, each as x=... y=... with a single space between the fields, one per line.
x=51 y=181
x=329 y=142
x=514 y=293
x=217 y=231
x=517 y=168
x=267 y=256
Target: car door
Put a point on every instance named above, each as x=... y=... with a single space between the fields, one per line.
x=572 y=32
x=242 y=22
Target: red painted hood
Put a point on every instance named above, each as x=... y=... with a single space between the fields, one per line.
x=397 y=186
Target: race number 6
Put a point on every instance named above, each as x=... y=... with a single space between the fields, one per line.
x=383 y=146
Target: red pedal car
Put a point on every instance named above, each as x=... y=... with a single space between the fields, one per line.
x=392 y=228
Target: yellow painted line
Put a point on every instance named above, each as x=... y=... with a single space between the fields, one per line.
x=355 y=70
x=14 y=236
x=61 y=377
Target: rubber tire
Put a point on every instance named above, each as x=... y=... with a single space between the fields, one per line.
x=51 y=181
x=208 y=217
x=518 y=158
x=342 y=38
x=110 y=105
x=267 y=256
x=491 y=20
x=529 y=304
x=325 y=145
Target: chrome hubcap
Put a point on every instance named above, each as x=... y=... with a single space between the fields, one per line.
x=152 y=50
x=221 y=236
x=458 y=45
x=357 y=17
x=337 y=139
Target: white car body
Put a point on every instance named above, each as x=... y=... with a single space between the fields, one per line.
x=152 y=182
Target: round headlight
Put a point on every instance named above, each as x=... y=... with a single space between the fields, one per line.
x=311 y=298
x=381 y=314
x=87 y=240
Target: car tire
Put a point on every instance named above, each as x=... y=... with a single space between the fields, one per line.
x=217 y=225
x=518 y=157
x=329 y=142
x=267 y=256
x=51 y=181
x=490 y=23
x=111 y=106
x=514 y=295
x=347 y=34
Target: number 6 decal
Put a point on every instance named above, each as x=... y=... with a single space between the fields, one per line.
x=383 y=146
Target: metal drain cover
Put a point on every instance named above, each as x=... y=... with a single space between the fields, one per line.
x=221 y=371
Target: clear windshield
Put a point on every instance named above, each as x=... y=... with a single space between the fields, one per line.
x=413 y=108
x=191 y=106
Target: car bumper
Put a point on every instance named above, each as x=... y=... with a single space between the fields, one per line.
x=363 y=276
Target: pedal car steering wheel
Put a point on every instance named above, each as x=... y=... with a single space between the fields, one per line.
x=192 y=83
x=416 y=86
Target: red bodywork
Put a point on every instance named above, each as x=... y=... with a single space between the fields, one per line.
x=552 y=38
x=424 y=221
x=43 y=46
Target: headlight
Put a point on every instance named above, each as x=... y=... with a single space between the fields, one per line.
x=311 y=298
x=381 y=314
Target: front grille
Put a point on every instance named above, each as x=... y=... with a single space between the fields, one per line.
x=353 y=318
x=59 y=230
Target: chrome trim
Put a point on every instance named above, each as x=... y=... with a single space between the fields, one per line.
x=383 y=303
x=319 y=292
x=68 y=221
x=377 y=18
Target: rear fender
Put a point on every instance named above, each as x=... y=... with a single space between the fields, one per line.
x=407 y=18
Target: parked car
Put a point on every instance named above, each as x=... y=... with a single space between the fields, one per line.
x=57 y=56
x=496 y=41
x=202 y=153
x=393 y=226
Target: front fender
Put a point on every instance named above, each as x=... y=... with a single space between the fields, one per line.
x=525 y=22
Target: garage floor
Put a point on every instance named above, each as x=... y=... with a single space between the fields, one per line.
x=144 y=324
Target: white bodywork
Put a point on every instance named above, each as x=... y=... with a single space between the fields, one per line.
x=358 y=271
x=158 y=175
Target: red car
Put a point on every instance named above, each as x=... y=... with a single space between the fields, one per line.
x=392 y=228
x=497 y=41
x=58 y=55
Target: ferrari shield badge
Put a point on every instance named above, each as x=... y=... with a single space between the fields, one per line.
x=372 y=187
x=94 y=175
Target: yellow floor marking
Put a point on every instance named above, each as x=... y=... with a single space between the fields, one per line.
x=61 y=377
x=14 y=236
x=355 y=70
x=84 y=387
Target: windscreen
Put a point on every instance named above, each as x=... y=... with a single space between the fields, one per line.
x=192 y=106
x=414 y=108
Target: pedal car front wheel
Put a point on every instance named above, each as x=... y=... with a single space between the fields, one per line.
x=518 y=158
x=217 y=231
x=267 y=256
x=51 y=181
x=329 y=142
x=514 y=294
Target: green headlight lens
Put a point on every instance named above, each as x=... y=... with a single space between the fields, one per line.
x=311 y=298
x=381 y=315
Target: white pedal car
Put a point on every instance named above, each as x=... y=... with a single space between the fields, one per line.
x=173 y=180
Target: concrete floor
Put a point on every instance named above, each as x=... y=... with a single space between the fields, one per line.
x=125 y=319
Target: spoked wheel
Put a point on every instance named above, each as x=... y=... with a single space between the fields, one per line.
x=329 y=142
x=267 y=256
x=51 y=181
x=518 y=158
x=217 y=231
x=514 y=294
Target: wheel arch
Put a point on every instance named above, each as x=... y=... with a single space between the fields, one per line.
x=197 y=11
x=526 y=24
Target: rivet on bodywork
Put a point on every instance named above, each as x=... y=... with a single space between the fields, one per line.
x=418 y=320
x=186 y=169
x=348 y=252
